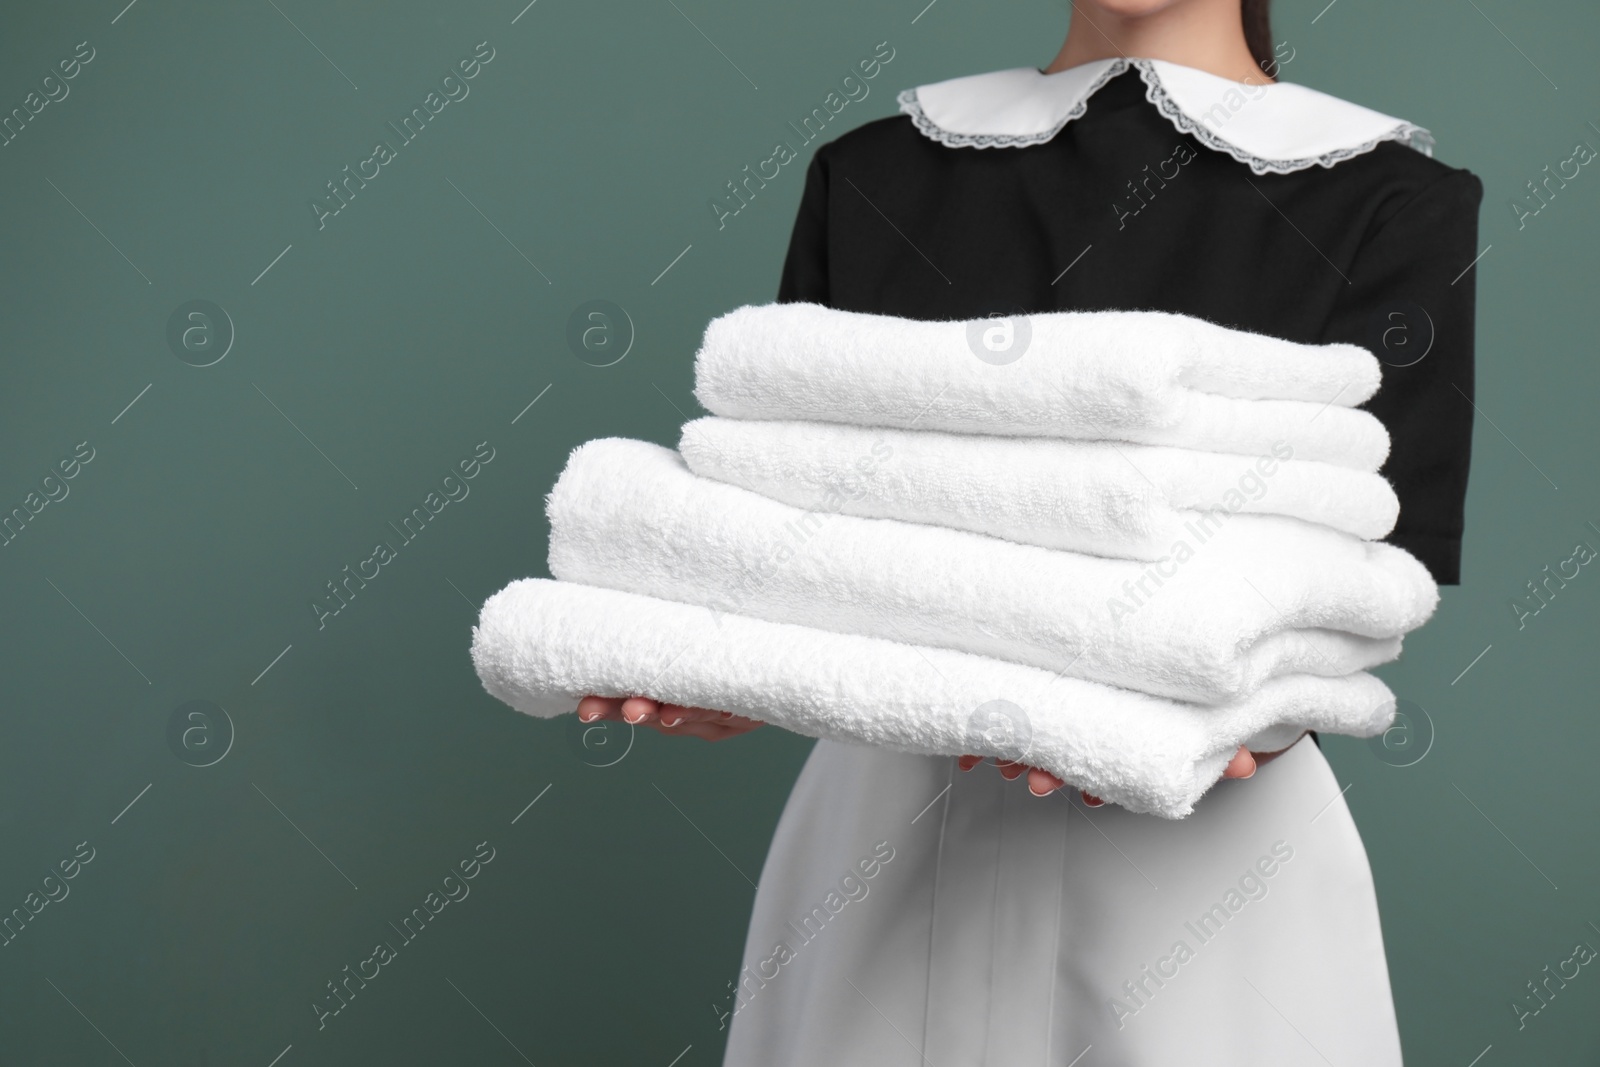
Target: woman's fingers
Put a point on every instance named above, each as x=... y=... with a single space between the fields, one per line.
x=1010 y=771
x=708 y=730
x=593 y=709
x=703 y=723
x=678 y=714
x=1042 y=783
x=1243 y=764
x=711 y=725
x=639 y=710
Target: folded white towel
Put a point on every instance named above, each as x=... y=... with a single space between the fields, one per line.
x=1260 y=597
x=1143 y=376
x=540 y=645
x=1123 y=500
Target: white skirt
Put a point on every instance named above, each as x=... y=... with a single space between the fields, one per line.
x=910 y=914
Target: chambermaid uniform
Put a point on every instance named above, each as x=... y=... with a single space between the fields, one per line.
x=1005 y=929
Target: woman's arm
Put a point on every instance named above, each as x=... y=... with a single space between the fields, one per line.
x=805 y=267
x=1410 y=299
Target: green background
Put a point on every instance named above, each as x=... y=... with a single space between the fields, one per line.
x=379 y=351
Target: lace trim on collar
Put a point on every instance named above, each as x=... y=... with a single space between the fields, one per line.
x=1408 y=133
x=910 y=105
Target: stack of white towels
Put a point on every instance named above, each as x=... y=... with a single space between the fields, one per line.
x=1117 y=554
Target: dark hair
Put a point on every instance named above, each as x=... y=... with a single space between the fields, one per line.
x=1258 y=32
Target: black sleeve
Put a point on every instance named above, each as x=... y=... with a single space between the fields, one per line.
x=1411 y=301
x=805 y=268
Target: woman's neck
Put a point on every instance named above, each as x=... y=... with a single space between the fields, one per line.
x=1205 y=34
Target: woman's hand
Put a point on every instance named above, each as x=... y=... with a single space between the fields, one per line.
x=666 y=718
x=1042 y=783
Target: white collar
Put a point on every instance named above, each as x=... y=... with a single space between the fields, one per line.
x=1275 y=127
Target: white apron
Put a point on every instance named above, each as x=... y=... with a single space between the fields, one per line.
x=910 y=914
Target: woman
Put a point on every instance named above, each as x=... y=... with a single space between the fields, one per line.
x=911 y=915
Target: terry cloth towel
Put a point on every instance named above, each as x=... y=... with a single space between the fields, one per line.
x=1109 y=499
x=1145 y=376
x=539 y=645
x=1259 y=596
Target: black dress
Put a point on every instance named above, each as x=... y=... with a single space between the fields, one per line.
x=1007 y=929
x=1369 y=251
